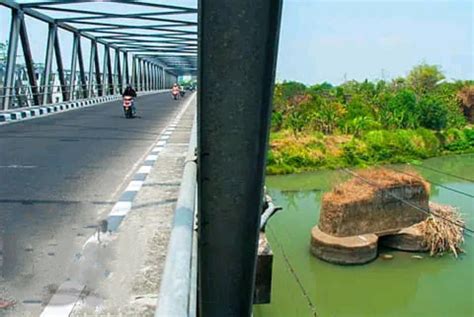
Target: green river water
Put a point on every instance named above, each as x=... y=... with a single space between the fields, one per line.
x=401 y=287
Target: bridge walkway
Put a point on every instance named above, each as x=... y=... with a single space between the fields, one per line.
x=65 y=172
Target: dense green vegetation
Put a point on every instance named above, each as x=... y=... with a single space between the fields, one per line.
x=366 y=123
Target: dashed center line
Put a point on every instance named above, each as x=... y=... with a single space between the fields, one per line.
x=18 y=166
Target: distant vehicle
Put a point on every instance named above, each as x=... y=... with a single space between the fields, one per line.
x=128 y=107
x=175 y=92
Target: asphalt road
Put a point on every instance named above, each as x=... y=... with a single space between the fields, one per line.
x=58 y=176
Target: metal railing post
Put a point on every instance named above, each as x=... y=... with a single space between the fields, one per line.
x=134 y=73
x=11 y=58
x=90 y=83
x=25 y=43
x=72 y=79
x=110 y=78
x=125 y=71
x=46 y=80
x=59 y=64
x=82 y=73
x=118 y=71
x=98 y=78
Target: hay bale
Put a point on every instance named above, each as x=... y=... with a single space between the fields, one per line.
x=434 y=234
x=355 y=207
x=441 y=235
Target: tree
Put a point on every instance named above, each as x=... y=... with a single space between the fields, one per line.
x=398 y=84
x=296 y=121
x=287 y=95
x=359 y=124
x=401 y=111
x=423 y=78
x=434 y=114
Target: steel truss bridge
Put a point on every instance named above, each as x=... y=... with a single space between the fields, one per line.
x=160 y=39
x=231 y=46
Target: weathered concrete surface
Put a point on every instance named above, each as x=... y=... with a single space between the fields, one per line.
x=375 y=203
x=138 y=254
x=343 y=250
x=381 y=213
x=407 y=239
x=357 y=207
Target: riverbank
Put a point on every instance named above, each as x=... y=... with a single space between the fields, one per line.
x=312 y=151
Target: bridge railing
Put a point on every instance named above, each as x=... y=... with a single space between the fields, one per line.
x=28 y=96
x=178 y=290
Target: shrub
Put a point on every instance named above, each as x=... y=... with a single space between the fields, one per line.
x=456 y=140
x=400 y=110
x=434 y=113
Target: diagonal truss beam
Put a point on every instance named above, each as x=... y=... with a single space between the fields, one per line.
x=29 y=62
x=162 y=29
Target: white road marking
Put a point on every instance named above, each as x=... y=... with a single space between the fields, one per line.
x=18 y=166
x=121 y=208
x=134 y=186
x=144 y=170
x=161 y=143
x=151 y=157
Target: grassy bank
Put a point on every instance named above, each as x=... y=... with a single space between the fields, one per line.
x=310 y=151
x=367 y=123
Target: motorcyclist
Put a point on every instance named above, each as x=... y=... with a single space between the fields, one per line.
x=175 y=91
x=130 y=92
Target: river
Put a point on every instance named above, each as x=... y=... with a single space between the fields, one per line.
x=401 y=287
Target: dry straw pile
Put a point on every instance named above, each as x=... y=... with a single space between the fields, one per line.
x=443 y=235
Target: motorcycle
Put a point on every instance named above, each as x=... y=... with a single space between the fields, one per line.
x=175 y=94
x=128 y=107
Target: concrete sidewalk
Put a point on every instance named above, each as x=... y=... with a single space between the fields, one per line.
x=135 y=259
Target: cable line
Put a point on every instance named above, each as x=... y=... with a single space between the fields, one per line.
x=434 y=183
x=448 y=174
x=311 y=306
x=428 y=212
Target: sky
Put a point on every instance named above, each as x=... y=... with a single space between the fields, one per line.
x=334 y=41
